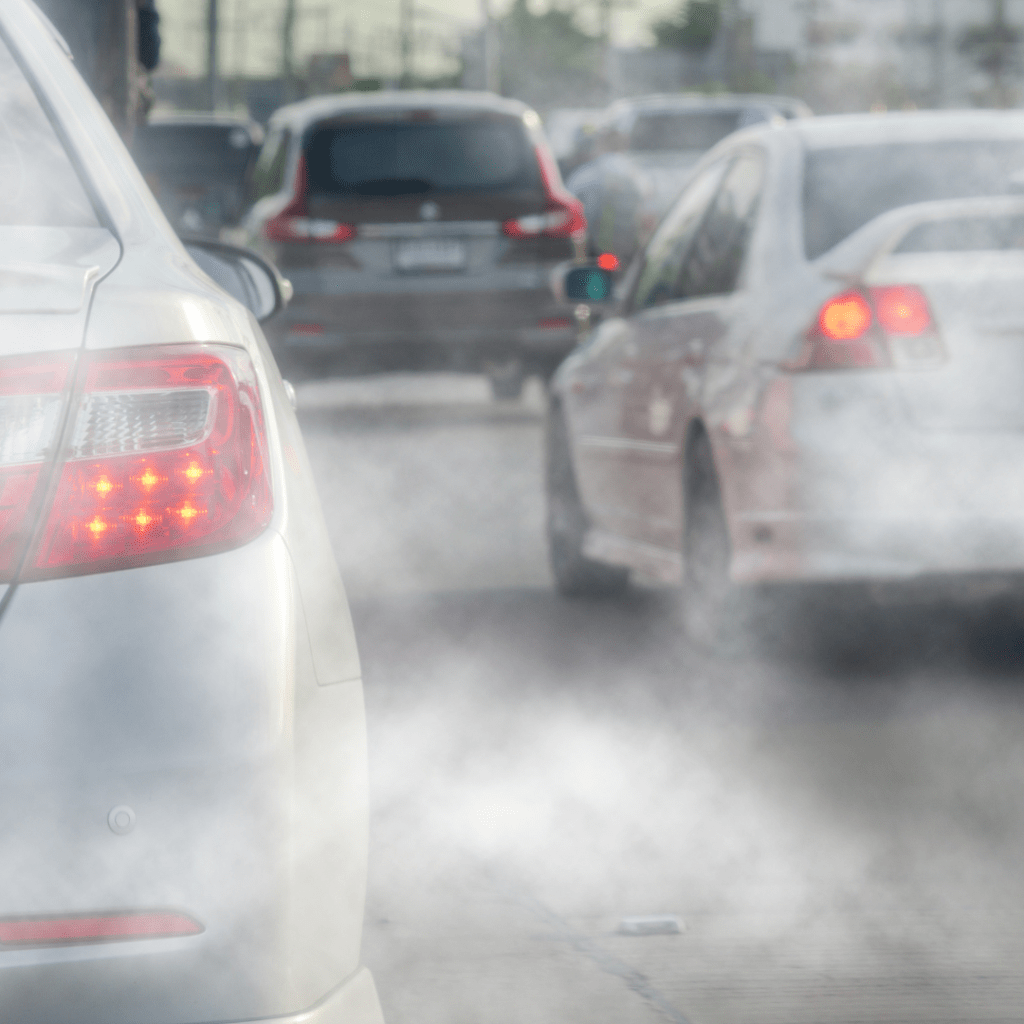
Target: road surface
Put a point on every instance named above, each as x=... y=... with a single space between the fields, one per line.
x=833 y=816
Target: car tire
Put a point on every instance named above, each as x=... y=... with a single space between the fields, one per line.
x=575 y=574
x=711 y=602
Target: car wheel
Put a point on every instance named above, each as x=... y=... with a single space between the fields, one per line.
x=575 y=574
x=710 y=601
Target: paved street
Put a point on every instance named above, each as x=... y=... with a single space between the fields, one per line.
x=835 y=817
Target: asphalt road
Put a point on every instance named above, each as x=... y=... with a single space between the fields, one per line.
x=833 y=815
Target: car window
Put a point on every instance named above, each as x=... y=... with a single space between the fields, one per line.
x=268 y=173
x=40 y=184
x=666 y=251
x=713 y=264
x=845 y=187
x=189 y=152
x=482 y=154
x=670 y=130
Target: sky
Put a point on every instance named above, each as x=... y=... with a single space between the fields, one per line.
x=251 y=31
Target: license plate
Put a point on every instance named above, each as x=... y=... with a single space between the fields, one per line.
x=430 y=254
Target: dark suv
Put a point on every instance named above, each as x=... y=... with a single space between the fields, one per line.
x=418 y=230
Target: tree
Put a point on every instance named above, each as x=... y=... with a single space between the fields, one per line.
x=994 y=49
x=693 y=27
x=547 y=58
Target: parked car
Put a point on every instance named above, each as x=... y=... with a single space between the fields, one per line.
x=198 y=166
x=813 y=374
x=418 y=229
x=645 y=149
x=183 y=796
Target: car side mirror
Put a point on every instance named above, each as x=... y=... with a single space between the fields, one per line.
x=243 y=274
x=589 y=284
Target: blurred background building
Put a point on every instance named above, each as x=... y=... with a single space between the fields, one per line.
x=836 y=54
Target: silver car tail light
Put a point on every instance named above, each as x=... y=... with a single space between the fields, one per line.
x=165 y=458
x=889 y=326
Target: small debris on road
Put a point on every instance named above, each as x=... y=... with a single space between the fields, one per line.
x=650 y=924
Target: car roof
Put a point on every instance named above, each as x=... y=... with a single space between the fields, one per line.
x=299 y=115
x=199 y=118
x=701 y=101
x=907 y=126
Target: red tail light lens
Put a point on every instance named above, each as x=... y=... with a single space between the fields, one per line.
x=902 y=309
x=166 y=459
x=292 y=224
x=847 y=317
x=284 y=228
x=564 y=216
x=889 y=326
x=62 y=931
x=31 y=405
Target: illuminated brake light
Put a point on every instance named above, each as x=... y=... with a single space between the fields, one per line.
x=81 y=928
x=902 y=309
x=846 y=317
x=608 y=261
x=293 y=225
x=889 y=326
x=564 y=215
x=167 y=459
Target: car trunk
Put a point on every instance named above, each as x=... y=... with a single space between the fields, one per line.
x=977 y=300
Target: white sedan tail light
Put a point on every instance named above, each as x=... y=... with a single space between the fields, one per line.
x=164 y=457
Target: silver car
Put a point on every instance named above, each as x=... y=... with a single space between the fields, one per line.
x=813 y=374
x=183 y=797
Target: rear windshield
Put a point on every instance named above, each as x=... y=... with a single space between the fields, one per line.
x=675 y=130
x=40 y=187
x=193 y=152
x=844 y=188
x=406 y=158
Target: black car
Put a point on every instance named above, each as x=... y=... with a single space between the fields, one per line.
x=418 y=230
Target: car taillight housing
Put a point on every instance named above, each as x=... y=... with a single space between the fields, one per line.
x=163 y=457
x=293 y=225
x=888 y=326
x=564 y=215
x=31 y=407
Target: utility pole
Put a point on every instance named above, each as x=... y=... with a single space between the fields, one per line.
x=288 y=49
x=492 y=77
x=104 y=37
x=938 y=54
x=212 y=84
x=406 y=14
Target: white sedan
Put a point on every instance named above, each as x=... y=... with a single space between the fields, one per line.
x=815 y=373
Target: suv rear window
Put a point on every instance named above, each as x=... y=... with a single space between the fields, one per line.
x=678 y=130
x=846 y=187
x=406 y=158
